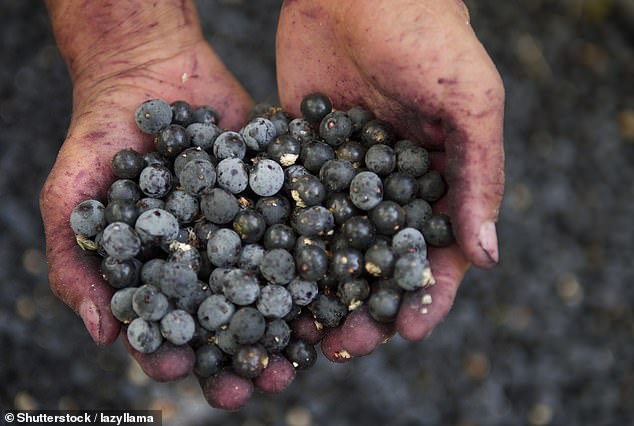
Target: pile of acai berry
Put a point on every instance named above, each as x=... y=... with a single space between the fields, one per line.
x=219 y=239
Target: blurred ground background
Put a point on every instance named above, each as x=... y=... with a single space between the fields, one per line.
x=545 y=338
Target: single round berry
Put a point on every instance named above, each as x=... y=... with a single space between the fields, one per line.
x=388 y=217
x=431 y=186
x=336 y=175
x=251 y=256
x=384 y=304
x=124 y=189
x=279 y=236
x=307 y=190
x=346 y=264
x=144 y=336
x=232 y=175
x=437 y=230
x=153 y=115
x=275 y=209
x=177 y=279
x=226 y=341
x=157 y=227
x=202 y=135
x=274 y=301
x=177 y=327
x=352 y=151
x=311 y=262
x=229 y=145
x=328 y=310
x=219 y=206
x=250 y=225
x=409 y=240
x=359 y=232
x=366 y=190
x=412 y=272
x=88 y=218
x=121 y=305
x=377 y=131
x=413 y=161
x=120 y=241
x=284 y=150
x=301 y=130
x=278 y=266
x=249 y=361
x=302 y=291
x=247 y=325
x=122 y=211
x=315 y=107
x=171 y=141
x=353 y=293
x=223 y=248
x=241 y=287
x=127 y=164
x=258 y=134
x=380 y=159
x=120 y=273
x=149 y=303
x=301 y=354
x=182 y=113
x=215 y=311
x=266 y=178
x=276 y=335
x=206 y=114
x=182 y=205
x=155 y=181
x=313 y=221
x=280 y=120
x=341 y=207
x=151 y=271
x=400 y=188
x=417 y=212
x=314 y=154
x=209 y=360
x=335 y=128
x=380 y=260
x=197 y=177
x=359 y=117
x=401 y=144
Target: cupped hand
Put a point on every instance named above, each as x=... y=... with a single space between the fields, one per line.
x=105 y=98
x=418 y=65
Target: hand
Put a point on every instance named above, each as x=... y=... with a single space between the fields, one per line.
x=419 y=66
x=108 y=87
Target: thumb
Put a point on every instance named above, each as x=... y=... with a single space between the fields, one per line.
x=475 y=170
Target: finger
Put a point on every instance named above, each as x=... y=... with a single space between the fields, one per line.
x=359 y=335
x=278 y=374
x=74 y=273
x=305 y=328
x=226 y=390
x=167 y=363
x=423 y=309
x=475 y=168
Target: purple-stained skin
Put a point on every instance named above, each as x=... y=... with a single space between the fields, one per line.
x=424 y=71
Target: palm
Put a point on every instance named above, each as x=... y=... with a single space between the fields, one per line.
x=407 y=62
x=102 y=124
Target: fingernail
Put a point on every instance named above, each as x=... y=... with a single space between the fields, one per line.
x=89 y=313
x=488 y=241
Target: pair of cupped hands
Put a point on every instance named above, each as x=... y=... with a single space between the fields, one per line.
x=415 y=64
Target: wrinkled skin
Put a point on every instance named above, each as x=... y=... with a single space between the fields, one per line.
x=422 y=69
x=418 y=65
x=105 y=97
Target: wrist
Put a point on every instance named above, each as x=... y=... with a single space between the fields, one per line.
x=101 y=39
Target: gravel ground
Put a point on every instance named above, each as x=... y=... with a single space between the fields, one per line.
x=545 y=338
